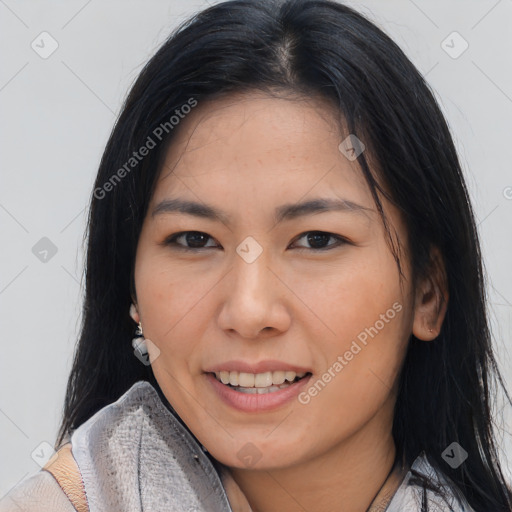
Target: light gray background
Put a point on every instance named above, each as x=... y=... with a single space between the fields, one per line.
x=56 y=114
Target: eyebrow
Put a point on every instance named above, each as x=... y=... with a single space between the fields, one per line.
x=282 y=213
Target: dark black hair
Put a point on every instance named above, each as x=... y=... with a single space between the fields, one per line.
x=310 y=48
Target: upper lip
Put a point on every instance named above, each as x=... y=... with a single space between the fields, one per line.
x=260 y=367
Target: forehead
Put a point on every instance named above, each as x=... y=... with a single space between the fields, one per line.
x=253 y=148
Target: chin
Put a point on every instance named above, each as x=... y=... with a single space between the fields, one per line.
x=257 y=455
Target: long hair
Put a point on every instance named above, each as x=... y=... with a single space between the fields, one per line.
x=325 y=49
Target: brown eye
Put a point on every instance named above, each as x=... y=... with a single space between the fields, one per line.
x=189 y=240
x=319 y=240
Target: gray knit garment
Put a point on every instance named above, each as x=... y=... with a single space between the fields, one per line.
x=135 y=456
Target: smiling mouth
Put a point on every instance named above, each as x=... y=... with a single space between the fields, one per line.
x=260 y=383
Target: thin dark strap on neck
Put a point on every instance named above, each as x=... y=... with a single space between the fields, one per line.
x=388 y=489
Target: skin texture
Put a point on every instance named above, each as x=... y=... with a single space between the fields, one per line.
x=247 y=155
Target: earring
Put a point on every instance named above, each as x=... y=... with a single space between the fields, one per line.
x=139 y=342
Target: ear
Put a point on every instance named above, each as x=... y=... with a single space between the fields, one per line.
x=431 y=299
x=134 y=313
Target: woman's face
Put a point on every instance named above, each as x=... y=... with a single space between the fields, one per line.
x=278 y=285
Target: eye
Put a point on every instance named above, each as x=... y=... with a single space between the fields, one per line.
x=318 y=240
x=196 y=239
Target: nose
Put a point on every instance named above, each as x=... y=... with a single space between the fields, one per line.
x=254 y=300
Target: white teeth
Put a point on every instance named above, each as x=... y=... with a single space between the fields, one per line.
x=261 y=391
x=259 y=381
x=278 y=377
x=263 y=380
x=246 y=380
x=233 y=378
x=290 y=376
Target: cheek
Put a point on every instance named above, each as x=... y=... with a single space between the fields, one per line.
x=352 y=294
x=165 y=295
x=357 y=380
x=177 y=307
x=166 y=305
x=362 y=348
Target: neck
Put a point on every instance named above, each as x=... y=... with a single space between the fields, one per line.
x=347 y=477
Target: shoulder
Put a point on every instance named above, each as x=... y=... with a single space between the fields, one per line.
x=39 y=492
x=412 y=496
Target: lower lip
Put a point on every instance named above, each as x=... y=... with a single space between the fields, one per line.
x=253 y=402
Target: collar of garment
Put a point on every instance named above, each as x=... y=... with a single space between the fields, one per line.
x=136 y=454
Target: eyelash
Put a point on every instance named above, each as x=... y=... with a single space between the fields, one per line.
x=171 y=241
